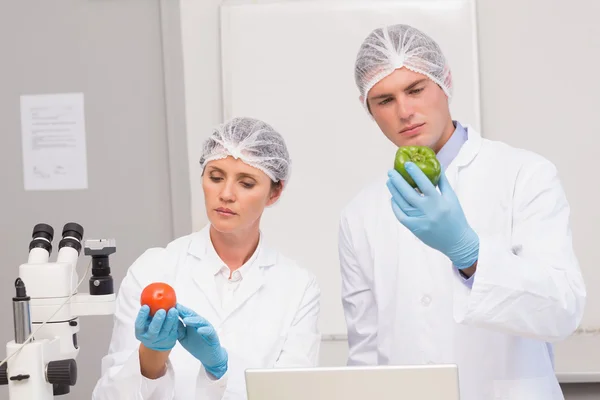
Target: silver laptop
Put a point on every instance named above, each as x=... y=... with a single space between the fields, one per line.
x=422 y=382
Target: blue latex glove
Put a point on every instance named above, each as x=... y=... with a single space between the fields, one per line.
x=200 y=339
x=436 y=218
x=159 y=332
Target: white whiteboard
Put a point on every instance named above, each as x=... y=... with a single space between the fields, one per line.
x=292 y=65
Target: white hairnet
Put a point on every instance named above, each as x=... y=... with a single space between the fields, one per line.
x=393 y=47
x=254 y=142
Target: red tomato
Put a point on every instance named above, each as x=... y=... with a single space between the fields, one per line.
x=157 y=296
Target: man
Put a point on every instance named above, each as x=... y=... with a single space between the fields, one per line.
x=479 y=272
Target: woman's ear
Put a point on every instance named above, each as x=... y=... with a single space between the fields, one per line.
x=276 y=191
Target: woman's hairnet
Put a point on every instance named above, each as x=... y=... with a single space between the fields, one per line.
x=393 y=47
x=254 y=142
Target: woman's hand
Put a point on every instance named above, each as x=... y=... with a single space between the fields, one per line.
x=158 y=335
x=200 y=339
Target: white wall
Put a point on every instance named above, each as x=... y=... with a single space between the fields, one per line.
x=534 y=77
x=202 y=77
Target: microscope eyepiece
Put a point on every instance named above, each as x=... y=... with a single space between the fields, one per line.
x=43 y=230
x=42 y=237
x=72 y=234
x=73 y=229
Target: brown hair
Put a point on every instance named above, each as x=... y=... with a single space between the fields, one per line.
x=275 y=185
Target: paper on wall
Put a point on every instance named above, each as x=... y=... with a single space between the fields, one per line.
x=54 y=143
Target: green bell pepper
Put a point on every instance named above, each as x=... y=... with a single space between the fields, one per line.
x=423 y=157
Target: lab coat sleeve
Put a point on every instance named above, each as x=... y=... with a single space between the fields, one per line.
x=303 y=340
x=534 y=287
x=360 y=308
x=121 y=377
x=210 y=388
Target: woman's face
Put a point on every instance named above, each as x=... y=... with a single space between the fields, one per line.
x=235 y=194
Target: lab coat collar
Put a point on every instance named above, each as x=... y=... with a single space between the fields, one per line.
x=199 y=248
x=218 y=266
x=204 y=273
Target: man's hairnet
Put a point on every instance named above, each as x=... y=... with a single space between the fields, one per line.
x=254 y=142
x=393 y=47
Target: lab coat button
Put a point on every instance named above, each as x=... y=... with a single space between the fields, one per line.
x=425 y=300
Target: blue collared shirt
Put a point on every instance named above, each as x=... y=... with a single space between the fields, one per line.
x=453 y=145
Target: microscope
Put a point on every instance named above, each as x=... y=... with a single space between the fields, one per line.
x=40 y=362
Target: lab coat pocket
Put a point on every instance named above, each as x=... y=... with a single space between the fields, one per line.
x=541 y=388
x=265 y=341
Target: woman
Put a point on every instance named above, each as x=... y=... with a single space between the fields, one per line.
x=240 y=304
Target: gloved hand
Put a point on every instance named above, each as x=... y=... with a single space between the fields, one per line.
x=159 y=332
x=200 y=339
x=436 y=218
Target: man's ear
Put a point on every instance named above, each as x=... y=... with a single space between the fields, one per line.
x=361 y=98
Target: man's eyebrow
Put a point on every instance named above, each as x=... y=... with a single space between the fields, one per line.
x=409 y=87
x=382 y=96
x=412 y=85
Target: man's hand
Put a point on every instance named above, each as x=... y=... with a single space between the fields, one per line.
x=436 y=218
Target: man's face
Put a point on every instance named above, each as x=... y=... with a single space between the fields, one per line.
x=411 y=110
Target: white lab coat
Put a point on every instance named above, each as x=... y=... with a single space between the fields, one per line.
x=405 y=303
x=273 y=323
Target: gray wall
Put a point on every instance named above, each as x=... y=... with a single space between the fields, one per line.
x=114 y=52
